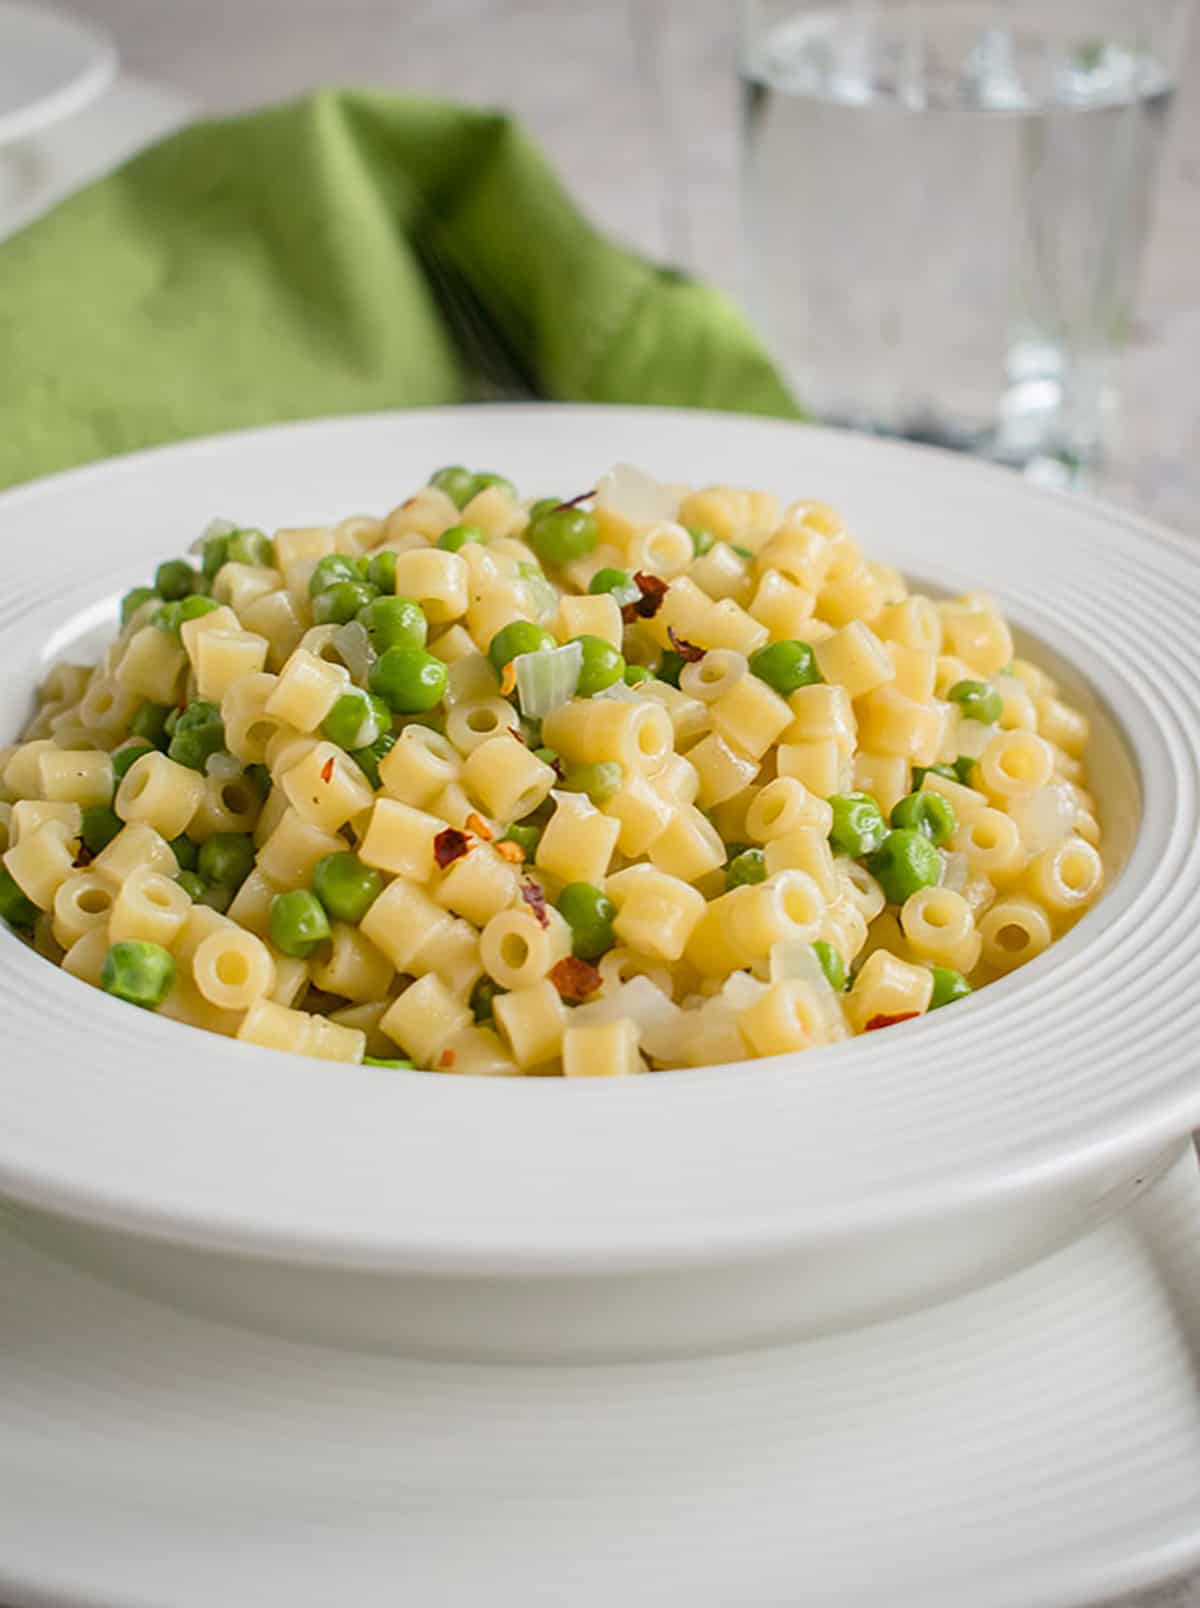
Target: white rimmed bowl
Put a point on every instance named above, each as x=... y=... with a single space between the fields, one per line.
x=683 y=1212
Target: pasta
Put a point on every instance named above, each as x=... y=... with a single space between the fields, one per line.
x=650 y=778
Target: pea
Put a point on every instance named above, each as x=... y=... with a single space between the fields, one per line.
x=340 y=603
x=127 y=756
x=381 y=571
x=394 y=622
x=217 y=896
x=920 y=772
x=670 y=666
x=356 y=720
x=858 y=824
x=298 y=922
x=174 y=579
x=192 y=885
x=408 y=680
x=748 y=867
x=133 y=601
x=395 y=1064
x=525 y=837
x=149 y=721
x=198 y=734
x=458 y=536
x=516 y=638
x=905 y=862
x=600 y=781
x=226 y=859
x=929 y=813
x=589 y=913
x=546 y=755
x=786 y=666
x=702 y=540
x=367 y=759
x=214 y=554
x=259 y=777
x=186 y=853
x=978 y=700
x=562 y=535
x=487 y=478
x=139 y=973
x=635 y=674
x=482 y=995
x=948 y=985
x=831 y=964
x=618 y=583
x=250 y=546
x=331 y=570
x=100 y=825
x=964 y=765
x=15 y=908
x=602 y=666
x=345 y=886
x=458 y=483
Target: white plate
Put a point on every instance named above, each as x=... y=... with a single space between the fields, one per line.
x=1083 y=1060
x=1035 y=1445
x=51 y=65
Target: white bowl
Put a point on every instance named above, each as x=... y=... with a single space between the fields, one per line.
x=680 y=1212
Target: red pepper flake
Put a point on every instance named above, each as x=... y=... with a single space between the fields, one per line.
x=574 y=502
x=508 y=678
x=889 y=1021
x=687 y=651
x=653 y=589
x=450 y=845
x=447 y=1059
x=327 y=770
x=513 y=732
x=536 y=900
x=83 y=856
x=575 y=979
x=479 y=826
x=510 y=851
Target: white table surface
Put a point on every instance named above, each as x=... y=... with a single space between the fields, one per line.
x=634 y=100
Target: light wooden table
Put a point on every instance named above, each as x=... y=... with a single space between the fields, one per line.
x=635 y=102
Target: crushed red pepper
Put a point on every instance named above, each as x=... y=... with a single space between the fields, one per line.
x=575 y=979
x=510 y=851
x=883 y=1020
x=687 y=651
x=450 y=845
x=573 y=502
x=476 y=823
x=327 y=770
x=447 y=1058
x=653 y=589
x=536 y=900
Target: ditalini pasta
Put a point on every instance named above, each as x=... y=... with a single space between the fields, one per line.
x=638 y=779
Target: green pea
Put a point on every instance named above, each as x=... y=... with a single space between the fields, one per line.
x=174 y=579
x=831 y=964
x=298 y=922
x=217 y=896
x=127 y=755
x=133 y=601
x=589 y=913
x=139 y=973
x=458 y=483
x=356 y=720
x=482 y=995
x=732 y=850
x=198 y=733
x=100 y=825
x=858 y=824
x=226 y=859
x=488 y=477
x=396 y=1064
x=367 y=759
x=526 y=837
x=546 y=755
x=670 y=666
x=259 y=777
x=408 y=680
x=920 y=772
x=460 y=536
x=948 y=985
x=964 y=766
x=394 y=622
x=381 y=571
x=702 y=540
x=618 y=583
x=345 y=886
x=172 y=616
x=786 y=666
x=600 y=781
x=15 y=908
x=193 y=885
x=905 y=862
x=562 y=535
x=331 y=570
x=149 y=721
x=602 y=666
x=635 y=674
x=340 y=603
x=978 y=700
x=516 y=638
x=748 y=867
x=186 y=853
x=929 y=813
x=250 y=546
x=214 y=554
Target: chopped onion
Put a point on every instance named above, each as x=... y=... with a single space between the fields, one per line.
x=741 y=990
x=543 y=599
x=954 y=870
x=634 y=495
x=972 y=737
x=547 y=679
x=354 y=645
x=657 y=1018
x=1046 y=817
x=619 y=693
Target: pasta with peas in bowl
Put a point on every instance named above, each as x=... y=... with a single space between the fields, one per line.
x=638 y=779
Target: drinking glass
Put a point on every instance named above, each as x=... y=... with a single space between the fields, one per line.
x=945 y=204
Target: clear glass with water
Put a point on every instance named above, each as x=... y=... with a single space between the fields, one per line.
x=945 y=203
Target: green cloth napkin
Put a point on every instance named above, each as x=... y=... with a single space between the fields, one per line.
x=346 y=252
